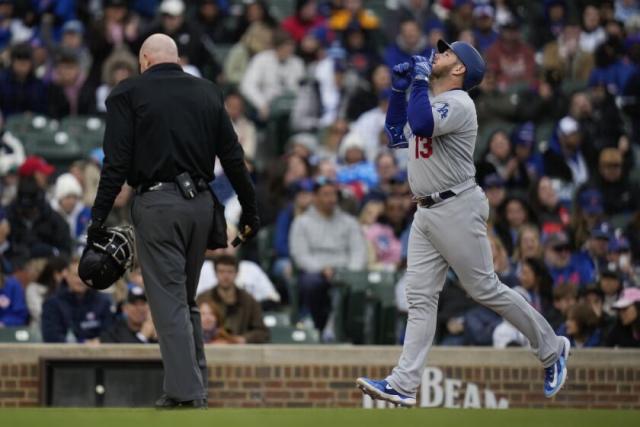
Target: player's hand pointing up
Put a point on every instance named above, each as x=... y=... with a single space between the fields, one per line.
x=422 y=66
x=401 y=77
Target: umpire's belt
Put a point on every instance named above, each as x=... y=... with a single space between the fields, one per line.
x=432 y=199
x=201 y=185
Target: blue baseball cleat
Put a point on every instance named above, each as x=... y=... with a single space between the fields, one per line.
x=556 y=374
x=380 y=389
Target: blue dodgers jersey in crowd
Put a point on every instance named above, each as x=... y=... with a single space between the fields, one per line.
x=13 y=309
x=85 y=316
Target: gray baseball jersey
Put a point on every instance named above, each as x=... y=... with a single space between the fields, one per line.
x=444 y=160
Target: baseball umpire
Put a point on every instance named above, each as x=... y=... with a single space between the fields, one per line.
x=439 y=126
x=164 y=129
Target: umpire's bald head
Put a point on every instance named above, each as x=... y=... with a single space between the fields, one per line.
x=157 y=48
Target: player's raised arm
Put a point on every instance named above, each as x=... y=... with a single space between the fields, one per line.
x=397 y=112
x=419 y=112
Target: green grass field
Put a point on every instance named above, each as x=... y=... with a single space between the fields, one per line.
x=317 y=418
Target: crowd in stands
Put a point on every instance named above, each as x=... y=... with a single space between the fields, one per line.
x=307 y=84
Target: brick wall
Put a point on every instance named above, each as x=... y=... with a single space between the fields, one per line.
x=19 y=385
x=324 y=376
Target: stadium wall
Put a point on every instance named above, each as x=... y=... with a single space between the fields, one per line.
x=323 y=376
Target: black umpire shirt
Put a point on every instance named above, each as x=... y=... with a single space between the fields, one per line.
x=161 y=124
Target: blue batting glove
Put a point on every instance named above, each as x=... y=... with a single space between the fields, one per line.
x=401 y=77
x=393 y=145
x=422 y=66
x=396 y=137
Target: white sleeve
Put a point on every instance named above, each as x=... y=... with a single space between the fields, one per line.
x=251 y=81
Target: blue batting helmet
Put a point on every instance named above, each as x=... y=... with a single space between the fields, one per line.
x=472 y=60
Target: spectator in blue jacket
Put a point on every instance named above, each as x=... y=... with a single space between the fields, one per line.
x=593 y=256
x=564 y=266
x=13 y=308
x=410 y=41
x=483 y=27
x=302 y=194
x=75 y=312
x=20 y=90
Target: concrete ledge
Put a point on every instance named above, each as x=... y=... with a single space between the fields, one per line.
x=319 y=355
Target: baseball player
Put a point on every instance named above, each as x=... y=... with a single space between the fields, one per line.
x=439 y=126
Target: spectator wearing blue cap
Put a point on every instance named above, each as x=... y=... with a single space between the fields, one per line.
x=136 y=327
x=483 y=26
x=300 y=196
x=564 y=267
x=494 y=188
x=592 y=257
x=523 y=141
x=588 y=212
x=73 y=40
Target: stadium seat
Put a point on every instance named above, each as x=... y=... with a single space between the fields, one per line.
x=87 y=130
x=266 y=253
x=221 y=51
x=294 y=335
x=276 y=319
x=620 y=220
x=368 y=309
x=19 y=335
x=44 y=137
x=278 y=130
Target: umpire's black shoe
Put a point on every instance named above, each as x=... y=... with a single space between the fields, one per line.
x=166 y=402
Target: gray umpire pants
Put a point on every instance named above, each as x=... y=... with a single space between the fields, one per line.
x=454 y=233
x=171 y=238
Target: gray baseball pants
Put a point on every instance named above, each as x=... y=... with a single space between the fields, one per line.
x=171 y=239
x=454 y=233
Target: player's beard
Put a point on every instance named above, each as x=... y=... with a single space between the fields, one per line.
x=440 y=72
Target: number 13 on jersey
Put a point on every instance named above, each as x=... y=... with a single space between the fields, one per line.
x=424 y=147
